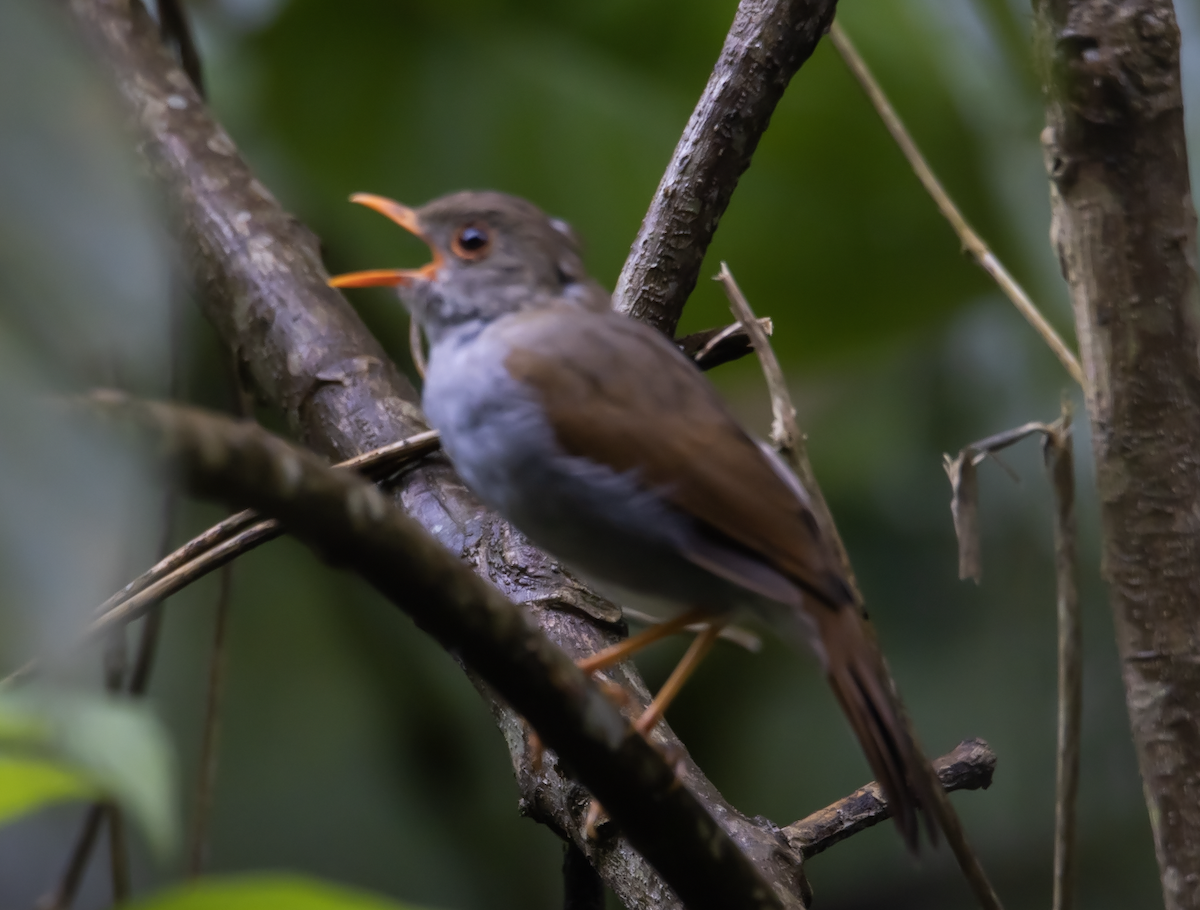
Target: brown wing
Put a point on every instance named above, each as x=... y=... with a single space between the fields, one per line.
x=620 y=394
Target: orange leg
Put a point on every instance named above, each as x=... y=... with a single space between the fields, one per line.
x=623 y=649
x=700 y=647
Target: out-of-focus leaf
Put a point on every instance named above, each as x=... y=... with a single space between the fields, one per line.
x=27 y=784
x=266 y=892
x=115 y=747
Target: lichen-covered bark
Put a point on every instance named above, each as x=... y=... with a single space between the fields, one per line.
x=1124 y=228
x=304 y=350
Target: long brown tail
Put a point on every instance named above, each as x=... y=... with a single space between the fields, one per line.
x=855 y=671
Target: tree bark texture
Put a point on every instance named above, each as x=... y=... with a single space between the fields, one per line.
x=767 y=43
x=351 y=522
x=1124 y=228
x=300 y=345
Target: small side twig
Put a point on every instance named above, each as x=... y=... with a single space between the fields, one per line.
x=210 y=740
x=118 y=853
x=788 y=439
x=785 y=432
x=964 y=492
x=233 y=537
x=206 y=777
x=713 y=347
x=969 y=767
x=63 y=895
x=971 y=241
x=1060 y=460
x=1058 y=453
x=245 y=530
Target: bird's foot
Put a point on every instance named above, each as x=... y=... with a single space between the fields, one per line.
x=536 y=751
x=596 y=817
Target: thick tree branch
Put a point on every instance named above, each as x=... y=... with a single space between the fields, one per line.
x=352 y=523
x=767 y=43
x=239 y=534
x=305 y=351
x=1124 y=229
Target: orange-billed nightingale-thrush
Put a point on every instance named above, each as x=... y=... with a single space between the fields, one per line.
x=601 y=441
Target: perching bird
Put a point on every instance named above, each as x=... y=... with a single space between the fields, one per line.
x=599 y=440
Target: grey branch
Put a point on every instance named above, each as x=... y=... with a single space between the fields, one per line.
x=305 y=350
x=1124 y=228
x=969 y=767
x=766 y=45
x=239 y=534
x=351 y=523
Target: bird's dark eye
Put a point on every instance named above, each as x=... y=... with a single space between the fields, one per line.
x=473 y=241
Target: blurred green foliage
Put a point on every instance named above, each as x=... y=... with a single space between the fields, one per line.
x=264 y=892
x=352 y=748
x=60 y=745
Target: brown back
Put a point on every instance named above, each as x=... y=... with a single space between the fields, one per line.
x=620 y=394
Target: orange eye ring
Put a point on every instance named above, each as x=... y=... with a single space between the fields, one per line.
x=472 y=241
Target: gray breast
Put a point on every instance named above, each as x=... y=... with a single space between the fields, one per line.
x=606 y=524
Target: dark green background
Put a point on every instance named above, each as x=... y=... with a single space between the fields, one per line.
x=355 y=749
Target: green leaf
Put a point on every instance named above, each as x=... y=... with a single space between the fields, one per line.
x=27 y=784
x=265 y=892
x=115 y=747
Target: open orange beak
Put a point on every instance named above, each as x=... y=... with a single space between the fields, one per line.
x=407 y=219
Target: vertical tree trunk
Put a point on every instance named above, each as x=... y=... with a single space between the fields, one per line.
x=1124 y=228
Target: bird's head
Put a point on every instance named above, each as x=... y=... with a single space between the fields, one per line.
x=493 y=254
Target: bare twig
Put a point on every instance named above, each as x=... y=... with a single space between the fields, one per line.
x=1060 y=461
x=64 y=893
x=713 y=347
x=969 y=767
x=118 y=853
x=1059 y=457
x=767 y=42
x=350 y=521
x=129 y=610
x=964 y=492
x=235 y=536
x=210 y=741
x=785 y=433
x=971 y=241
x=787 y=438
x=206 y=777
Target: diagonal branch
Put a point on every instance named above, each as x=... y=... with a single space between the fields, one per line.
x=969 y=767
x=307 y=353
x=971 y=241
x=766 y=45
x=787 y=438
x=353 y=524
x=240 y=533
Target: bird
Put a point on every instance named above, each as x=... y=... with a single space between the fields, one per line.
x=598 y=439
